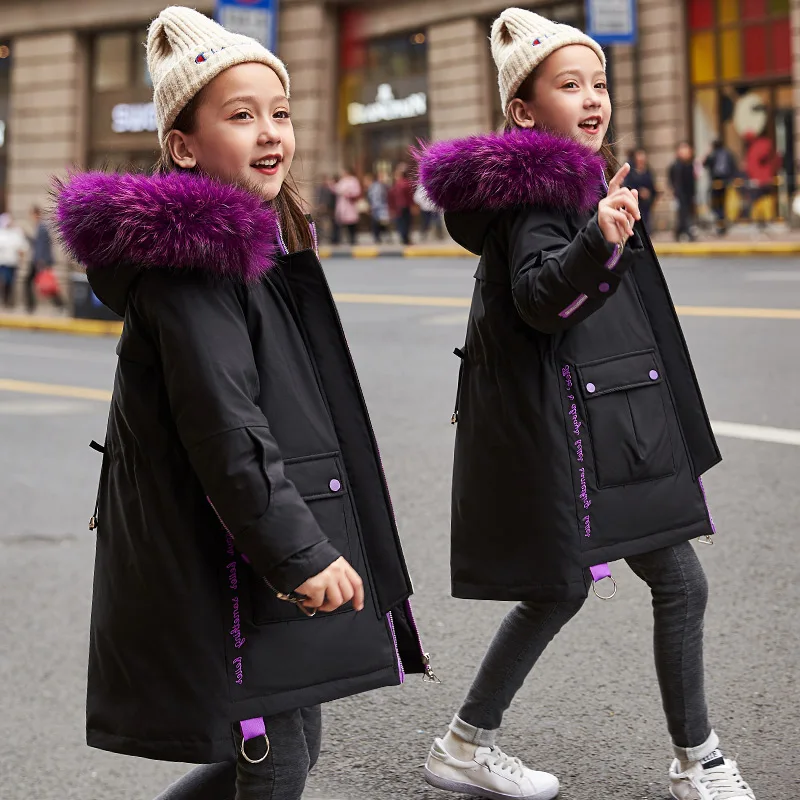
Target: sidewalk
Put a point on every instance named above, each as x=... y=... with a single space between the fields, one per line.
x=742 y=240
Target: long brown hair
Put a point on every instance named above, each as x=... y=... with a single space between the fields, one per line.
x=288 y=203
x=526 y=94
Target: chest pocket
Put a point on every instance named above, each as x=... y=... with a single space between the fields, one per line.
x=626 y=403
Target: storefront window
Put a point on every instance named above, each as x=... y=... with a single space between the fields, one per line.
x=123 y=126
x=383 y=105
x=740 y=66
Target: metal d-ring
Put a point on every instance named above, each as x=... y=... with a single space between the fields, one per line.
x=706 y=540
x=601 y=596
x=257 y=761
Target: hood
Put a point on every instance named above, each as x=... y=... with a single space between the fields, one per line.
x=116 y=225
x=474 y=179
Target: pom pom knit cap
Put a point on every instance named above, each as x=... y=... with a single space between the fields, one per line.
x=521 y=40
x=186 y=50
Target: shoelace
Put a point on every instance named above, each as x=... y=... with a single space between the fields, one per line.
x=725 y=783
x=507 y=763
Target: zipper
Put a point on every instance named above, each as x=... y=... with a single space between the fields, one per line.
x=429 y=675
x=400 y=667
x=462 y=355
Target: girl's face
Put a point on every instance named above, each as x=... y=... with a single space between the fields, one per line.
x=242 y=133
x=570 y=97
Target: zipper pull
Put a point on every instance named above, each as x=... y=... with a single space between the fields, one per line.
x=93 y=523
x=429 y=676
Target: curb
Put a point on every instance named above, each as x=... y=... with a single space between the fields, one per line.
x=686 y=249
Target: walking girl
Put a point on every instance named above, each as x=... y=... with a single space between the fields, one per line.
x=248 y=566
x=582 y=433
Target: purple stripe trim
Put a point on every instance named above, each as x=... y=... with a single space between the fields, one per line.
x=400 y=668
x=573 y=307
x=615 y=256
x=600 y=572
x=313 y=226
x=708 y=510
x=253 y=728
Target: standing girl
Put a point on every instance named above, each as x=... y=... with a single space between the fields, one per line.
x=582 y=433
x=248 y=566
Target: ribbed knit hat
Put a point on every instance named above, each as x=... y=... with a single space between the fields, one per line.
x=186 y=50
x=521 y=40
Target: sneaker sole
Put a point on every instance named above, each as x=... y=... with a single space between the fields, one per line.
x=476 y=791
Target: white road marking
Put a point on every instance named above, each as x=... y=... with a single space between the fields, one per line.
x=446 y=319
x=757 y=433
x=44 y=408
x=773 y=276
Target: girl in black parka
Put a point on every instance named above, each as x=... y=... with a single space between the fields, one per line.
x=248 y=566
x=582 y=434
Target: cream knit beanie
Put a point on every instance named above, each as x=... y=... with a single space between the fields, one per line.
x=186 y=50
x=521 y=40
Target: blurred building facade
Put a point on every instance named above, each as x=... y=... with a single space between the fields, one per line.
x=370 y=78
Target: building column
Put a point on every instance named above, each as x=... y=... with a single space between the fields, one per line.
x=46 y=131
x=307 y=45
x=459 y=79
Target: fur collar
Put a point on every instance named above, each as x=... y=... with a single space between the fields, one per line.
x=496 y=171
x=173 y=221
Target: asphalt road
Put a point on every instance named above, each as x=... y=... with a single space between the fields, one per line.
x=590 y=712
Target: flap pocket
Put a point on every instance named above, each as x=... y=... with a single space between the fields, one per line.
x=316 y=476
x=619 y=373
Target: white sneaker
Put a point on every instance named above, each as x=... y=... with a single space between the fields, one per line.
x=491 y=773
x=714 y=778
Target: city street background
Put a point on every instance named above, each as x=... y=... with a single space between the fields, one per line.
x=590 y=712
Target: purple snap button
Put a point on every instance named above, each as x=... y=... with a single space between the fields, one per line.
x=590 y=387
x=653 y=375
x=335 y=485
x=603 y=287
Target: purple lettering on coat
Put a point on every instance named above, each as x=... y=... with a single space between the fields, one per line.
x=236 y=630
x=237 y=665
x=572 y=410
x=233 y=580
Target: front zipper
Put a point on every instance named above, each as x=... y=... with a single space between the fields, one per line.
x=400 y=667
x=428 y=674
x=463 y=356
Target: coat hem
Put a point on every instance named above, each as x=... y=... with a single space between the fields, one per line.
x=646 y=544
x=224 y=748
x=576 y=590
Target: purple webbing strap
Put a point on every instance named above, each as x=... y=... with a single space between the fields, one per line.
x=600 y=572
x=253 y=728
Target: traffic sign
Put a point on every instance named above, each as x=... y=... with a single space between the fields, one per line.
x=257 y=19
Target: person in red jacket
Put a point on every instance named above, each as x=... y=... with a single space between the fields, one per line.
x=401 y=200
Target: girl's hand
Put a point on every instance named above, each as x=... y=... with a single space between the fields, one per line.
x=333 y=587
x=618 y=210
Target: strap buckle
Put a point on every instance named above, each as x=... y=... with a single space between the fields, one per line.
x=254 y=729
x=602 y=572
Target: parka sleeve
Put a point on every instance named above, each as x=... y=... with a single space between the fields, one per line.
x=558 y=279
x=212 y=384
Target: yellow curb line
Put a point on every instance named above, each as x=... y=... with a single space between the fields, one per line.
x=53 y=390
x=102 y=328
x=86 y=327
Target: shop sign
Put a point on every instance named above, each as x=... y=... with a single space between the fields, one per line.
x=611 y=21
x=254 y=18
x=133 y=118
x=387 y=107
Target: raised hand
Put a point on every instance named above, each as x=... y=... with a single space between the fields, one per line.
x=619 y=209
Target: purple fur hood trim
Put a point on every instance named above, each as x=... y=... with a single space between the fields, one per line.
x=504 y=170
x=173 y=221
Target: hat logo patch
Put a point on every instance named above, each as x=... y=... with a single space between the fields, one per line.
x=207 y=54
x=540 y=39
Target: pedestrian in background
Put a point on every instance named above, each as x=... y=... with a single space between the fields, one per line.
x=683 y=182
x=430 y=216
x=41 y=259
x=230 y=485
x=641 y=179
x=13 y=248
x=348 y=190
x=401 y=201
x=722 y=169
x=325 y=210
x=581 y=432
x=378 y=199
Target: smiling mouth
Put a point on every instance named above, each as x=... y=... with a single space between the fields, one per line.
x=269 y=164
x=591 y=125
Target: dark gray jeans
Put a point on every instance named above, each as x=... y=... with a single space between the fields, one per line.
x=680 y=591
x=295 y=739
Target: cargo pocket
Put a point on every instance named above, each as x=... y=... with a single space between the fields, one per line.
x=320 y=482
x=627 y=419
